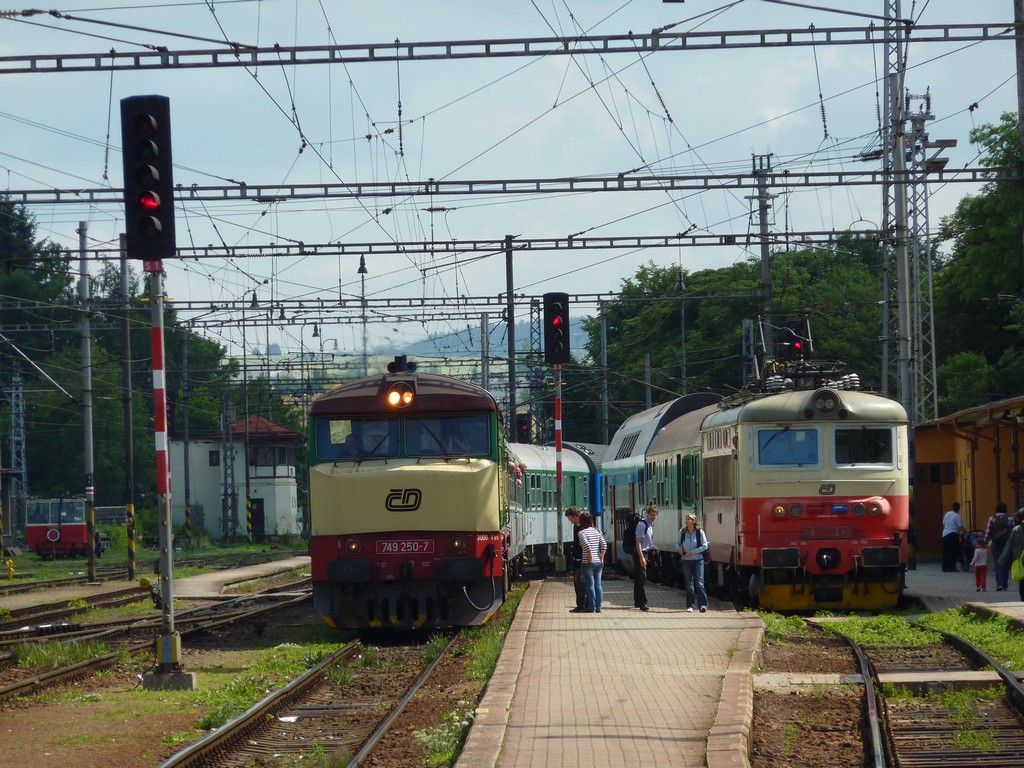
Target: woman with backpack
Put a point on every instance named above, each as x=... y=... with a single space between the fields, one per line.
x=997 y=532
x=1012 y=553
x=692 y=546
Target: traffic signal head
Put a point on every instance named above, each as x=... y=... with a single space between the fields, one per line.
x=524 y=428
x=148 y=180
x=795 y=342
x=556 y=328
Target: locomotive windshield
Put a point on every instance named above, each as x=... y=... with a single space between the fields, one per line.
x=787 y=447
x=356 y=438
x=55 y=511
x=863 y=445
x=447 y=435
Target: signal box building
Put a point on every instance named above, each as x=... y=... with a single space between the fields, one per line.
x=272 y=486
x=972 y=456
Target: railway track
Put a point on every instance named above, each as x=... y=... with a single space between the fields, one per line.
x=309 y=711
x=28 y=683
x=912 y=731
x=51 y=612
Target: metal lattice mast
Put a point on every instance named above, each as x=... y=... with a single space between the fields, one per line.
x=229 y=497
x=19 y=466
x=537 y=368
x=926 y=406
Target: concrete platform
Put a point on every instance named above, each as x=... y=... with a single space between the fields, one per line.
x=210 y=586
x=623 y=687
x=939 y=591
x=929 y=682
x=786 y=682
x=1012 y=609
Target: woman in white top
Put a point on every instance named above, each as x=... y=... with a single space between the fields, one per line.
x=692 y=545
x=593 y=544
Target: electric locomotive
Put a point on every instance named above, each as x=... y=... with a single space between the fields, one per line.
x=805 y=498
x=415 y=502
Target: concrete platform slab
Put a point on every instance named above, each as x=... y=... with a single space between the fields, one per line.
x=784 y=682
x=928 y=682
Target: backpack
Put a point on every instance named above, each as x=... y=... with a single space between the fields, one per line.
x=706 y=554
x=1001 y=527
x=629 y=534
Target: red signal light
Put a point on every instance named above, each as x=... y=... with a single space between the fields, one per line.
x=798 y=345
x=556 y=320
x=149 y=201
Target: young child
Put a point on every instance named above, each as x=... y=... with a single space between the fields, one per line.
x=980 y=564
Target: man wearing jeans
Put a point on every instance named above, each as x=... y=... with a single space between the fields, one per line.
x=952 y=527
x=644 y=545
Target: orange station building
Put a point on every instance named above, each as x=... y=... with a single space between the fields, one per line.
x=972 y=456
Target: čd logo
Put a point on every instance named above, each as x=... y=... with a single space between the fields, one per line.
x=403 y=500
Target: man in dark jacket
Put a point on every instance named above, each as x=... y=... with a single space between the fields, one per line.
x=576 y=559
x=998 y=533
x=1015 y=548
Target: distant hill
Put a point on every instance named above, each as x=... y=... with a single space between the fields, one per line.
x=466 y=343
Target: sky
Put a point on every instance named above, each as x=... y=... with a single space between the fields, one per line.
x=475 y=119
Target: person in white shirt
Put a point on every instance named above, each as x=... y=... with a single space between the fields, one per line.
x=644 y=545
x=952 y=527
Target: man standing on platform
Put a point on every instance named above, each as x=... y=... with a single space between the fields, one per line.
x=576 y=558
x=952 y=527
x=997 y=533
x=644 y=545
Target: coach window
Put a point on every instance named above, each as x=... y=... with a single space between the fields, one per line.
x=787 y=447
x=863 y=446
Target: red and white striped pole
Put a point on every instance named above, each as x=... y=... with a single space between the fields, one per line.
x=169 y=642
x=560 y=557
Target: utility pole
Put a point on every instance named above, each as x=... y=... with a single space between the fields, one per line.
x=90 y=491
x=681 y=286
x=185 y=445
x=228 y=507
x=510 y=319
x=362 y=298
x=647 y=380
x=126 y=401
x=604 y=374
x=762 y=166
x=1018 y=37
x=560 y=554
x=245 y=442
x=485 y=352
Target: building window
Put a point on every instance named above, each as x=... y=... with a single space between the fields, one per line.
x=214 y=458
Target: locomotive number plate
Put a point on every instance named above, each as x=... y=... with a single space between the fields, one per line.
x=406 y=547
x=828 y=532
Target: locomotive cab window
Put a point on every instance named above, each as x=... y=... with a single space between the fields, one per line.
x=859 y=446
x=787 y=447
x=447 y=435
x=356 y=439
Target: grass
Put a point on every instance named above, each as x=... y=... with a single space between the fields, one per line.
x=789 y=740
x=46 y=656
x=882 y=631
x=966 y=714
x=443 y=742
x=996 y=635
x=486 y=642
x=976 y=740
x=271 y=669
x=433 y=647
x=779 y=627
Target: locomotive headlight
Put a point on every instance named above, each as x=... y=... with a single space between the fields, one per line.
x=779 y=511
x=352 y=547
x=796 y=510
x=858 y=509
x=400 y=395
x=456 y=544
x=874 y=508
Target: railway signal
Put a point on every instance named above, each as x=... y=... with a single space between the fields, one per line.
x=556 y=328
x=795 y=342
x=148 y=178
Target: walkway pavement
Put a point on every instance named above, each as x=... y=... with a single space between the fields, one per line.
x=619 y=688
x=939 y=591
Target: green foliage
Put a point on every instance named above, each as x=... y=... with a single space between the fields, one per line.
x=967 y=381
x=486 y=642
x=78 y=603
x=272 y=669
x=996 y=635
x=45 y=656
x=882 y=631
x=433 y=647
x=778 y=627
x=443 y=742
x=976 y=740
